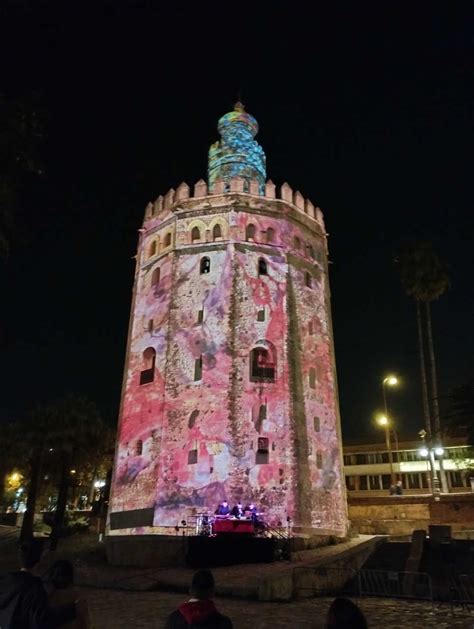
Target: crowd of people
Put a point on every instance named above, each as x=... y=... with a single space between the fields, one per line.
x=30 y=602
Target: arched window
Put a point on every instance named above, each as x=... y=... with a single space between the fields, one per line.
x=205 y=265
x=168 y=239
x=216 y=231
x=308 y=280
x=152 y=250
x=296 y=242
x=262 y=367
x=139 y=448
x=262 y=266
x=195 y=234
x=147 y=373
x=155 y=276
x=270 y=234
x=250 y=232
x=192 y=418
x=312 y=377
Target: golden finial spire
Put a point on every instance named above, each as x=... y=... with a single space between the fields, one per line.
x=239 y=107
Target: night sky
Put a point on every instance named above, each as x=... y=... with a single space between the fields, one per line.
x=367 y=108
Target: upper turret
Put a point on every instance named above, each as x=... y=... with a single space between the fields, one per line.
x=237 y=154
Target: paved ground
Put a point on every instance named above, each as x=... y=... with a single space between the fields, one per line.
x=147 y=610
x=116 y=609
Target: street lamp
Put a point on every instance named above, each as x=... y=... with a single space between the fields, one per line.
x=384 y=422
x=428 y=452
x=391 y=381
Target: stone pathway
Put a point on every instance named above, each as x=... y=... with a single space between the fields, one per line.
x=147 y=610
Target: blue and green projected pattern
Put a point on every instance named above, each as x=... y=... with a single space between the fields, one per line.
x=237 y=154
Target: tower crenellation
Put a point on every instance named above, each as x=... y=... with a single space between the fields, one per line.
x=229 y=388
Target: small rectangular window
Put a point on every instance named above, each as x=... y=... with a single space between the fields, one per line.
x=317 y=424
x=262 y=451
x=312 y=377
x=192 y=457
x=150 y=325
x=198 y=368
x=200 y=316
x=261 y=315
x=319 y=460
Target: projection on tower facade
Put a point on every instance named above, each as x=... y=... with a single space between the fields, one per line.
x=229 y=388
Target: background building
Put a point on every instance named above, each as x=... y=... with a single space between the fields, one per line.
x=367 y=467
x=230 y=386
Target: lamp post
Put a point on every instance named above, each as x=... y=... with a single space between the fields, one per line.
x=390 y=381
x=429 y=451
x=384 y=422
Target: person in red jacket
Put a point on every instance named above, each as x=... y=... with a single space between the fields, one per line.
x=200 y=610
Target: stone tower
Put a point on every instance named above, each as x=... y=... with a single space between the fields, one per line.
x=230 y=386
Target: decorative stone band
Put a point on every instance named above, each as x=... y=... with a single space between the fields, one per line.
x=239 y=185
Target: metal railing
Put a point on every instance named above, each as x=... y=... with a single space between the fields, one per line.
x=321 y=581
x=461 y=590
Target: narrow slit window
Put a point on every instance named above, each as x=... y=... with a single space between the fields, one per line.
x=205 y=265
x=216 y=231
x=317 y=424
x=147 y=373
x=198 y=369
x=195 y=234
x=150 y=325
x=262 y=416
x=312 y=377
x=155 y=277
x=200 y=316
x=168 y=239
x=310 y=328
x=308 y=280
x=262 y=266
x=139 y=448
x=319 y=460
x=192 y=418
x=270 y=234
x=250 y=232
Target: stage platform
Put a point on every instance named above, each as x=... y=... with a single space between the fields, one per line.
x=275 y=581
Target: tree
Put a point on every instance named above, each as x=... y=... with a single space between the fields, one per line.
x=21 y=134
x=77 y=429
x=424 y=277
x=461 y=411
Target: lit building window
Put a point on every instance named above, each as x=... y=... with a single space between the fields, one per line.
x=250 y=232
x=148 y=372
x=205 y=266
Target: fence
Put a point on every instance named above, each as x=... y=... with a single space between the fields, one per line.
x=313 y=581
x=461 y=590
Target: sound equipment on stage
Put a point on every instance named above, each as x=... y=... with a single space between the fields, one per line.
x=233 y=526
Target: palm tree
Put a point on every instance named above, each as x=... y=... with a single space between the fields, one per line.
x=424 y=277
